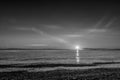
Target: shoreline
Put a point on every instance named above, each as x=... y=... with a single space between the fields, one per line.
x=40 y=65
x=54 y=66
x=45 y=71
x=64 y=74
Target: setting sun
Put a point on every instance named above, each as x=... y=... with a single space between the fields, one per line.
x=78 y=47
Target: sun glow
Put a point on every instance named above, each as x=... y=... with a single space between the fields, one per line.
x=77 y=47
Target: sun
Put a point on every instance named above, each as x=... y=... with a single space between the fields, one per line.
x=78 y=47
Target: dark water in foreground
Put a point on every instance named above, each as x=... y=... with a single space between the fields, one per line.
x=57 y=56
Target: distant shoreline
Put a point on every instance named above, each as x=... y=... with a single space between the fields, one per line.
x=103 y=49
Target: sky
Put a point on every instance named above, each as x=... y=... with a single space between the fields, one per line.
x=59 y=24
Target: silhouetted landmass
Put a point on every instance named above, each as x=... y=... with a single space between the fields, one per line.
x=104 y=49
x=30 y=49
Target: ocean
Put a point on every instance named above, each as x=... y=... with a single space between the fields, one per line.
x=57 y=56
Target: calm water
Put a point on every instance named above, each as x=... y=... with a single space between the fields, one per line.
x=56 y=56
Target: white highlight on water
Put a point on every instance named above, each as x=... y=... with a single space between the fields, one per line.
x=77 y=54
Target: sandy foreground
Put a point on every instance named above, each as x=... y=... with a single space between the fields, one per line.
x=59 y=72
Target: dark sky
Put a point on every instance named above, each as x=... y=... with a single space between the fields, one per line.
x=59 y=24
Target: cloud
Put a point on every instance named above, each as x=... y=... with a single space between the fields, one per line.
x=37 y=45
x=30 y=29
x=43 y=33
x=60 y=40
x=110 y=22
x=52 y=26
x=99 y=22
x=23 y=28
x=96 y=30
x=73 y=35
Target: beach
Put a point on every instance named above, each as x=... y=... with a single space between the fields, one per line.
x=96 y=71
x=64 y=74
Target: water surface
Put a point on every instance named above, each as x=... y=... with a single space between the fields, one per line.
x=57 y=56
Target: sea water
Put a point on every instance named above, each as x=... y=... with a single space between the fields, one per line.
x=57 y=56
